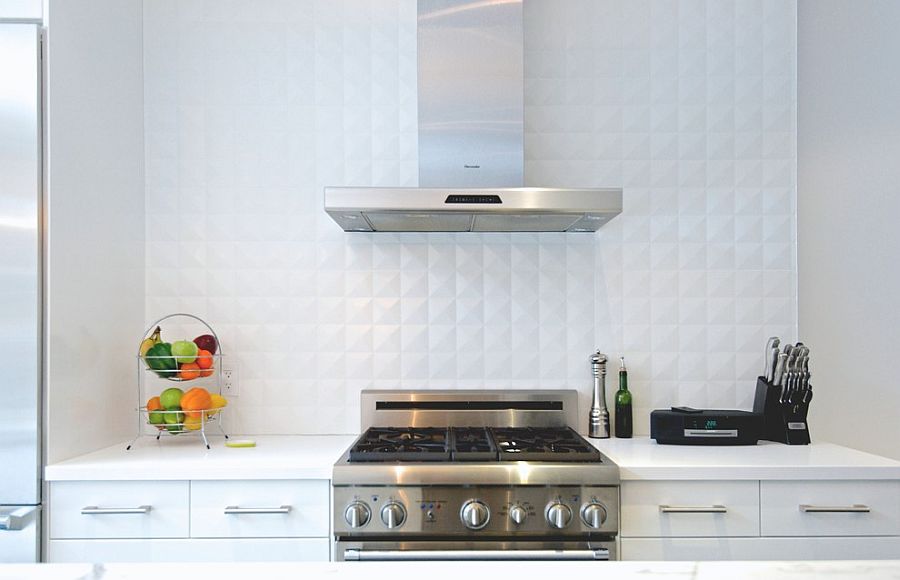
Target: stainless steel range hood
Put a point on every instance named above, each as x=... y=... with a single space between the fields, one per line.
x=471 y=138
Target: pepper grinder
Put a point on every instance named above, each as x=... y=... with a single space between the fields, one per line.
x=598 y=424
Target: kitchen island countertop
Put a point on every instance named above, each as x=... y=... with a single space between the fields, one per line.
x=871 y=570
x=312 y=457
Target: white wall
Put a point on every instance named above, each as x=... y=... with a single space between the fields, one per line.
x=848 y=208
x=95 y=233
x=253 y=107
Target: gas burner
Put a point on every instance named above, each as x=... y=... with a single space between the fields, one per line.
x=543 y=444
x=473 y=444
x=386 y=444
x=402 y=444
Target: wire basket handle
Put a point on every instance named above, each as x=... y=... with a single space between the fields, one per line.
x=149 y=331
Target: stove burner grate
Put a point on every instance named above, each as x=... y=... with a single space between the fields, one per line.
x=402 y=444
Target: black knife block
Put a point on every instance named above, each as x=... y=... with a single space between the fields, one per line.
x=784 y=422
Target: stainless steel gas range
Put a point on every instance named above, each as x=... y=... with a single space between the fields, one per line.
x=473 y=475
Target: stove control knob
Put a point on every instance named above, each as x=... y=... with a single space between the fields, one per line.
x=558 y=515
x=393 y=514
x=593 y=515
x=357 y=514
x=475 y=514
x=517 y=514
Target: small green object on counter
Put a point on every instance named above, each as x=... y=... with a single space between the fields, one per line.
x=238 y=443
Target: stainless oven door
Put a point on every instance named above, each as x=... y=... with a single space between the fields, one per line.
x=433 y=550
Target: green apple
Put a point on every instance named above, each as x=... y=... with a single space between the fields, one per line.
x=184 y=351
x=170 y=399
x=174 y=422
x=156 y=418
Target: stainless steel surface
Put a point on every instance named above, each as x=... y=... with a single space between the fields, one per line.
x=393 y=514
x=771 y=344
x=357 y=514
x=680 y=509
x=466 y=473
x=598 y=419
x=471 y=83
x=558 y=515
x=779 y=370
x=20 y=262
x=17 y=518
x=435 y=510
x=836 y=509
x=20 y=532
x=518 y=514
x=474 y=514
x=522 y=209
x=467 y=408
x=471 y=138
x=468 y=555
x=593 y=515
x=355 y=550
x=444 y=509
x=725 y=433
x=93 y=510
x=236 y=510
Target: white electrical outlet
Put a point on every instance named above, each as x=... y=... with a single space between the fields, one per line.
x=230 y=381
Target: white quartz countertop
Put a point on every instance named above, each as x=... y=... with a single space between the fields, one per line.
x=870 y=570
x=312 y=457
x=274 y=457
x=643 y=458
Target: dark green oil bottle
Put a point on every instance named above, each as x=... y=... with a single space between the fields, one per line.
x=624 y=425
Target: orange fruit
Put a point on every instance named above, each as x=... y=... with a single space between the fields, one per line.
x=204 y=359
x=153 y=404
x=206 y=372
x=196 y=400
x=189 y=371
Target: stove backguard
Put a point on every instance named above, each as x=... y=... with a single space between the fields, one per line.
x=469 y=408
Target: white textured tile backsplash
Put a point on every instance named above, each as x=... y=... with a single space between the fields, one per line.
x=253 y=107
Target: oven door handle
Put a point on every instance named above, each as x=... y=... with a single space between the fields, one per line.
x=358 y=555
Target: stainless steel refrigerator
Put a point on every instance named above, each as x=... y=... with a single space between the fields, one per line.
x=20 y=291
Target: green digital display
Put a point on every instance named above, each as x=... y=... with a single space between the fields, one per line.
x=711 y=423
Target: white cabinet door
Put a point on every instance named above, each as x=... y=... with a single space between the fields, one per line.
x=830 y=508
x=190 y=550
x=693 y=549
x=25 y=9
x=260 y=509
x=690 y=508
x=119 y=509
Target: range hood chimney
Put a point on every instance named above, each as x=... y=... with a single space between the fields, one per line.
x=471 y=86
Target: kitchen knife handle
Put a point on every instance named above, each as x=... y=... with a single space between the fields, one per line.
x=682 y=509
x=93 y=510
x=235 y=510
x=835 y=509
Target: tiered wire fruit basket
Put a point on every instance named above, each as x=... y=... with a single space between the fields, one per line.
x=160 y=369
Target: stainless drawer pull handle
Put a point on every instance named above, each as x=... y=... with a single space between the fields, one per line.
x=93 y=510
x=235 y=510
x=685 y=509
x=835 y=509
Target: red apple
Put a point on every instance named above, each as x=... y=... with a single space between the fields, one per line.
x=206 y=342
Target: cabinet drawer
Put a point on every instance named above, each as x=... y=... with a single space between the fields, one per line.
x=830 y=508
x=690 y=508
x=702 y=549
x=190 y=550
x=119 y=509
x=259 y=509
